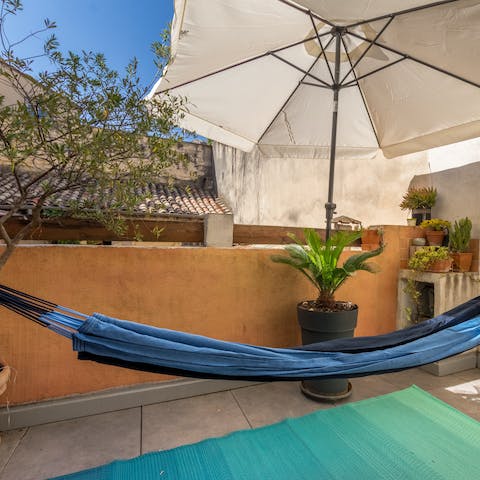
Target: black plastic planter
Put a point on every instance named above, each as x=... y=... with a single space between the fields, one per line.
x=421 y=214
x=320 y=326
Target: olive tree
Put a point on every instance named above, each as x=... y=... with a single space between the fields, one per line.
x=78 y=124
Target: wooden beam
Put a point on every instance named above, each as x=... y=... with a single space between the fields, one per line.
x=270 y=235
x=185 y=230
x=171 y=229
x=266 y=234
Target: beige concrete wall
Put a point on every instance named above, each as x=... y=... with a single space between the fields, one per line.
x=458 y=193
x=236 y=294
x=198 y=166
x=293 y=192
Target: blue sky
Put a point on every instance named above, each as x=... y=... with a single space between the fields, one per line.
x=121 y=29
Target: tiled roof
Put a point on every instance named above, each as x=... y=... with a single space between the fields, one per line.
x=158 y=198
x=190 y=200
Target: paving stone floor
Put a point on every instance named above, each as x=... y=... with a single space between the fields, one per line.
x=45 y=451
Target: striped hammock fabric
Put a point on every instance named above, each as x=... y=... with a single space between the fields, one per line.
x=138 y=346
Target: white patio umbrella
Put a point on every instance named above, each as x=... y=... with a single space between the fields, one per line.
x=327 y=78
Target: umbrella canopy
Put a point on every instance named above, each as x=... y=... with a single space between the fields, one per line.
x=327 y=79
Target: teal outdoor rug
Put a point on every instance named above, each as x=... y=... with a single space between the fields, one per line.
x=404 y=435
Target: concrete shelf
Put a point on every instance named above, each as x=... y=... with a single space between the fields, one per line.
x=449 y=290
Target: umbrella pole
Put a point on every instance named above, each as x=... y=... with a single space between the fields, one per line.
x=330 y=206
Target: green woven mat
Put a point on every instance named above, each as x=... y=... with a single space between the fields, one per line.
x=403 y=435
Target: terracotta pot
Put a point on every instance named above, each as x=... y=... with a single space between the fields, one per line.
x=462 y=261
x=440 y=266
x=435 y=237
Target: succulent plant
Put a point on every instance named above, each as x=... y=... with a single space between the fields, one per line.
x=460 y=235
x=424 y=257
x=436 y=224
x=419 y=197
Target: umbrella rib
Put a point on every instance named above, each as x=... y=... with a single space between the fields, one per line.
x=361 y=77
x=321 y=46
x=317 y=85
x=361 y=95
x=306 y=11
x=305 y=72
x=291 y=95
x=359 y=59
x=238 y=64
x=401 y=12
x=417 y=60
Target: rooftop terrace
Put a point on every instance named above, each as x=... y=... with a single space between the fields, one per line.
x=53 y=449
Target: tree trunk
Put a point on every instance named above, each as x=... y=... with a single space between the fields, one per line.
x=325 y=299
x=11 y=243
x=6 y=254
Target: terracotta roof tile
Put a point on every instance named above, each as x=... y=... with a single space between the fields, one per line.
x=158 y=198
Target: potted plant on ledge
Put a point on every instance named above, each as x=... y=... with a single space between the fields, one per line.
x=435 y=230
x=459 y=242
x=431 y=259
x=326 y=318
x=420 y=201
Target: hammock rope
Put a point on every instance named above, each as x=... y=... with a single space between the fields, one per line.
x=41 y=311
x=138 y=346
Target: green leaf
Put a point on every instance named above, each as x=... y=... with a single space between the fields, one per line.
x=318 y=259
x=80 y=123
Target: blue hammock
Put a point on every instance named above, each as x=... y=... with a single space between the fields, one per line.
x=138 y=346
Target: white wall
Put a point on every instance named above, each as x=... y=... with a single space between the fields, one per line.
x=455 y=155
x=458 y=193
x=292 y=192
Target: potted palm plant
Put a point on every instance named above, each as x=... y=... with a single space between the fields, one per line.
x=326 y=318
x=459 y=242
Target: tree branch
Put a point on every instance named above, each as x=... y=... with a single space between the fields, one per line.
x=39 y=177
x=5 y=236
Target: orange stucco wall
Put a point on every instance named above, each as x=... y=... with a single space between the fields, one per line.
x=233 y=293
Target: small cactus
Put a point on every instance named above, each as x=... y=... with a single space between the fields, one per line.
x=460 y=235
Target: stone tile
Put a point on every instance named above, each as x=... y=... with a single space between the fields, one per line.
x=272 y=402
x=65 y=447
x=420 y=378
x=367 y=387
x=464 y=397
x=8 y=443
x=469 y=375
x=179 y=422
